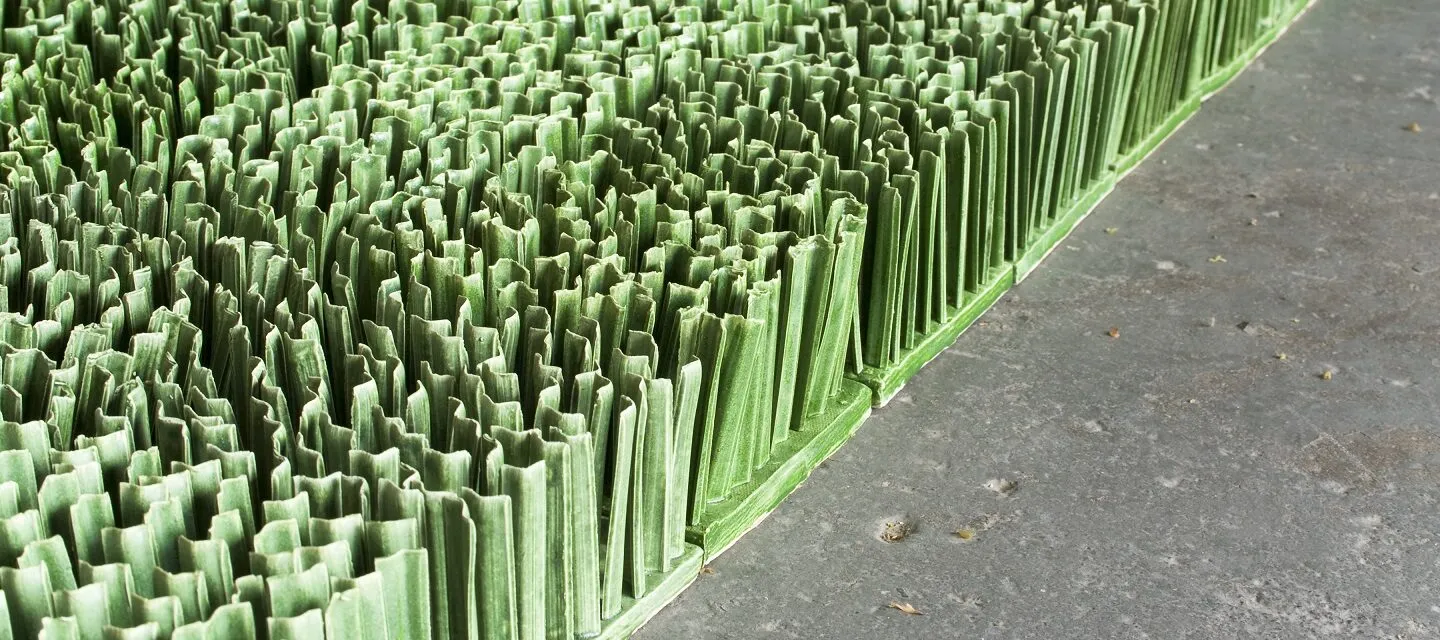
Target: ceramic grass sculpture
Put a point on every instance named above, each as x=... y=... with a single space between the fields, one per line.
x=493 y=319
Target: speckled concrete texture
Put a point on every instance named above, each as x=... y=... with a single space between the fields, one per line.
x=1196 y=476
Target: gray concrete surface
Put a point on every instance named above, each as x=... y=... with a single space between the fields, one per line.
x=1181 y=480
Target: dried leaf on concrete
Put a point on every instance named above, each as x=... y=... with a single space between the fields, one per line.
x=905 y=608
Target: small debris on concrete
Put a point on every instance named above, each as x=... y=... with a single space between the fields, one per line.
x=976 y=526
x=1002 y=486
x=1114 y=332
x=1327 y=374
x=1111 y=230
x=707 y=570
x=1209 y=322
x=1270 y=214
x=895 y=531
x=1280 y=355
x=905 y=608
x=1413 y=127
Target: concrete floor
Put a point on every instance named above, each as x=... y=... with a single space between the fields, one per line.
x=1185 y=479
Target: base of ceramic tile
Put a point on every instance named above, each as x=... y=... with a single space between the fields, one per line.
x=885 y=383
x=724 y=522
x=1052 y=237
x=1061 y=228
x=666 y=586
